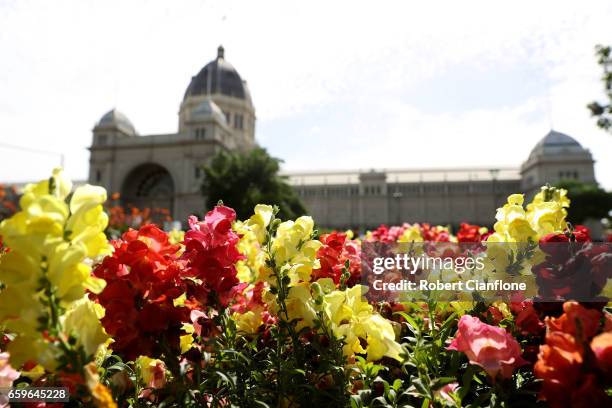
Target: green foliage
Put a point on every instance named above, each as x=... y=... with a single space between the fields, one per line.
x=603 y=112
x=588 y=200
x=429 y=367
x=245 y=180
x=281 y=367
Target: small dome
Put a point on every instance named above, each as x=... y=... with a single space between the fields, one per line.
x=556 y=143
x=218 y=76
x=114 y=118
x=206 y=110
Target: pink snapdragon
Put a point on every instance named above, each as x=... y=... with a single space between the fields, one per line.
x=489 y=347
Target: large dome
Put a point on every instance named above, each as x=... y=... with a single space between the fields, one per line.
x=556 y=143
x=218 y=76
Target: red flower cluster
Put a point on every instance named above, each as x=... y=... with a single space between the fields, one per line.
x=142 y=280
x=248 y=297
x=575 y=268
x=569 y=367
x=429 y=233
x=334 y=254
x=526 y=318
x=471 y=233
x=434 y=234
x=211 y=252
x=145 y=275
x=388 y=234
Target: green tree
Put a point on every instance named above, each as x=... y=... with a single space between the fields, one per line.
x=242 y=180
x=588 y=200
x=603 y=112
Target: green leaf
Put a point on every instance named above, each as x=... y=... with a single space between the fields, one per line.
x=422 y=388
x=411 y=322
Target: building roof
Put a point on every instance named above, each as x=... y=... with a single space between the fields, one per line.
x=555 y=143
x=114 y=118
x=403 y=176
x=218 y=77
x=208 y=110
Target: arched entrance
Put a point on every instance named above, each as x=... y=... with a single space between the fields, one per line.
x=148 y=186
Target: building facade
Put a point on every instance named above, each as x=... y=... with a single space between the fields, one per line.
x=217 y=114
x=164 y=171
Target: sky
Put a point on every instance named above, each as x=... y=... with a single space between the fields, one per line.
x=336 y=84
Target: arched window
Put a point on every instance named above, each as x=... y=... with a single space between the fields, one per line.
x=148 y=186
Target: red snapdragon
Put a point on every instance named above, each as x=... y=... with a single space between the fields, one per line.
x=142 y=277
x=334 y=254
x=211 y=253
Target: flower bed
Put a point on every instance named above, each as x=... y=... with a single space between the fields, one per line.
x=267 y=312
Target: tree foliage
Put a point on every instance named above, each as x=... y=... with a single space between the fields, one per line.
x=603 y=111
x=588 y=200
x=243 y=180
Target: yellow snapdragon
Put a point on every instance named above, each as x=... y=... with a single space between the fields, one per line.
x=249 y=246
x=363 y=330
x=52 y=244
x=512 y=224
x=547 y=211
x=544 y=215
x=293 y=255
x=518 y=230
x=294 y=250
x=253 y=235
x=81 y=320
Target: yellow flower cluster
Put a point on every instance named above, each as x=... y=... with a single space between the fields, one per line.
x=294 y=250
x=301 y=305
x=80 y=321
x=252 y=236
x=249 y=321
x=248 y=269
x=547 y=212
x=518 y=230
x=544 y=215
x=292 y=247
x=364 y=331
x=48 y=266
x=348 y=314
x=294 y=255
